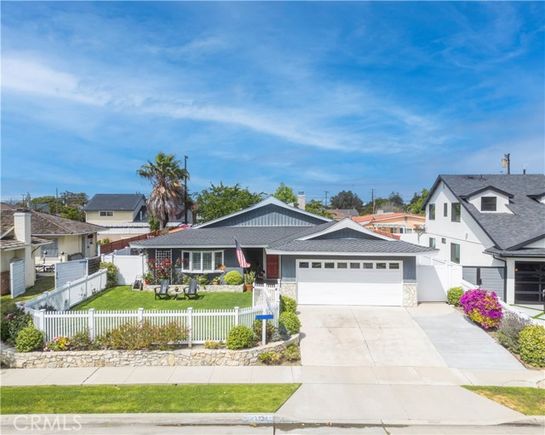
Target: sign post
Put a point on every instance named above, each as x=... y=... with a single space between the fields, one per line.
x=264 y=317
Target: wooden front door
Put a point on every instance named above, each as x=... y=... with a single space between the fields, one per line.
x=273 y=266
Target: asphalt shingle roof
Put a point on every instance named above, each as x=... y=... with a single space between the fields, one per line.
x=114 y=202
x=352 y=246
x=526 y=223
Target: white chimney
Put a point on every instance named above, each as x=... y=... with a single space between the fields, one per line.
x=301 y=202
x=22 y=224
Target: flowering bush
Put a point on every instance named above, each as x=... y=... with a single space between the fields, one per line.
x=164 y=269
x=58 y=344
x=482 y=307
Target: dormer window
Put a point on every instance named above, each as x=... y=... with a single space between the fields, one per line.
x=489 y=203
x=431 y=212
x=455 y=212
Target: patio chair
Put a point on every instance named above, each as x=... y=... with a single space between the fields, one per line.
x=162 y=292
x=191 y=290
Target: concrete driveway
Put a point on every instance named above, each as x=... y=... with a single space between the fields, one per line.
x=431 y=335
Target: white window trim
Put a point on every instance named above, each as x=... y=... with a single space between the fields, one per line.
x=201 y=270
x=107 y=213
x=374 y=262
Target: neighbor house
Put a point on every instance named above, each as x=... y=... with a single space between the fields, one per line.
x=316 y=260
x=392 y=223
x=494 y=227
x=68 y=239
x=17 y=245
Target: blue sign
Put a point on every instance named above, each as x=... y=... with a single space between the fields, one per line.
x=263 y=316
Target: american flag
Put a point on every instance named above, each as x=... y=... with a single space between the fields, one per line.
x=240 y=256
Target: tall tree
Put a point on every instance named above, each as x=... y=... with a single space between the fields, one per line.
x=285 y=194
x=416 y=204
x=346 y=199
x=166 y=176
x=396 y=200
x=220 y=200
x=317 y=207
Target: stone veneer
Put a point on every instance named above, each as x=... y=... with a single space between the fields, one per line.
x=410 y=296
x=197 y=356
x=288 y=289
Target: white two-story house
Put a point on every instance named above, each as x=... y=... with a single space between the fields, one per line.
x=494 y=227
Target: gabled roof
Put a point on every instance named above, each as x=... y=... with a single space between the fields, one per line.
x=525 y=223
x=114 y=202
x=345 y=223
x=271 y=200
x=484 y=189
x=382 y=217
x=44 y=224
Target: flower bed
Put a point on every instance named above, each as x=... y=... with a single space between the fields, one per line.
x=483 y=307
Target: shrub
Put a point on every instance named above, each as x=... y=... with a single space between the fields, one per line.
x=81 y=341
x=13 y=323
x=270 y=358
x=58 y=344
x=287 y=304
x=240 y=337
x=134 y=336
x=532 y=345
x=233 y=278
x=258 y=331
x=453 y=296
x=292 y=353
x=111 y=273
x=290 y=321
x=29 y=339
x=210 y=344
x=202 y=279
x=509 y=330
x=482 y=307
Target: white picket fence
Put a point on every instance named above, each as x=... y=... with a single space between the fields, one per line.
x=72 y=293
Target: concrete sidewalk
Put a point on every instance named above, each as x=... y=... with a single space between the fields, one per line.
x=438 y=376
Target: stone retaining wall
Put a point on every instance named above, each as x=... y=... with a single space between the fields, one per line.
x=197 y=356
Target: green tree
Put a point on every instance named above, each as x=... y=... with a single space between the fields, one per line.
x=285 y=194
x=316 y=207
x=166 y=176
x=346 y=199
x=416 y=204
x=220 y=200
x=396 y=200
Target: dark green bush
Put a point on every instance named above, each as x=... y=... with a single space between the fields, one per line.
x=287 y=304
x=111 y=273
x=270 y=358
x=29 y=339
x=290 y=321
x=240 y=337
x=509 y=331
x=233 y=278
x=292 y=353
x=258 y=332
x=532 y=345
x=12 y=323
x=454 y=294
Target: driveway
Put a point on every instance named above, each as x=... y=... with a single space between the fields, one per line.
x=431 y=335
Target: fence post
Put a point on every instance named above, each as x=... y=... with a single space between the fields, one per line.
x=189 y=326
x=140 y=315
x=41 y=320
x=237 y=315
x=91 y=323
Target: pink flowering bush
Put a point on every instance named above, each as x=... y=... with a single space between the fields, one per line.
x=482 y=307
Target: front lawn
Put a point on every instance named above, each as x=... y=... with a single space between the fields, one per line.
x=42 y=284
x=145 y=398
x=124 y=298
x=529 y=401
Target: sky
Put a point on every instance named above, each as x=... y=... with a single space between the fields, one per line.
x=320 y=96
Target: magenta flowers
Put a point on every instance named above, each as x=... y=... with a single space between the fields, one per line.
x=483 y=307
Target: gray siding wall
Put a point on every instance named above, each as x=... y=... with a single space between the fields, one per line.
x=229 y=256
x=268 y=216
x=491 y=278
x=345 y=233
x=288 y=264
x=469 y=274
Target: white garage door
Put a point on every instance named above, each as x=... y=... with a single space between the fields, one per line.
x=334 y=282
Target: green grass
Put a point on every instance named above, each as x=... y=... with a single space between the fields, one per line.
x=42 y=284
x=145 y=398
x=528 y=401
x=124 y=298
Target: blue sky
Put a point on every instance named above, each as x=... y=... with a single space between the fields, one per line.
x=321 y=96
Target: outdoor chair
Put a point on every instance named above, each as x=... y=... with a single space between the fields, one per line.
x=191 y=290
x=162 y=292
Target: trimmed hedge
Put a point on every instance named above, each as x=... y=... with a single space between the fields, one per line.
x=287 y=304
x=240 y=337
x=233 y=278
x=29 y=339
x=532 y=345
x=453 y=296
x=290 y=322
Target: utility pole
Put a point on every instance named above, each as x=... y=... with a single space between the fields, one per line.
x=185 y=190
x=373 y=199
x=506 y=162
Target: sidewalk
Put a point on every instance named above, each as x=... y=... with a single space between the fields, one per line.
x=435 y=376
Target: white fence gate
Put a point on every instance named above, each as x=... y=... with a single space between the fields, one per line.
x=129 y=266
x=17 y=277
x=69 y=271
x=435 y=277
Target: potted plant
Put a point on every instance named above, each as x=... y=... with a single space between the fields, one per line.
x=249 y=278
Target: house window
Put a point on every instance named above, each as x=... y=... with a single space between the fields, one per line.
x=489 y=203
x=443 y=240
x=367 y=265
x=51 y=249
x=393 y=265
x=431 y=242
x=445 y=209
x=342 y=265
x=455 y=212
x=328 y=265
x=431 y=212
x=381 y=265
x=455 y=253
x=317 y=265
x=303 y=264
x=201 y=261
x=355 y=265
x=106 y=213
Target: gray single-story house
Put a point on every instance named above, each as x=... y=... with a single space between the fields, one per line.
x=317 y=260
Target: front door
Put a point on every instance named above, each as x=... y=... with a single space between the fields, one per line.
x=273 y=266
x=529 y=282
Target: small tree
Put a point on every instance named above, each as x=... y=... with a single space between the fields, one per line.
x=346 y=199
x=416 y=204
x=285 y=194
x=316 y=207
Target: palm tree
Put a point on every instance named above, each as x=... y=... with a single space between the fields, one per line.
x=167 y=176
